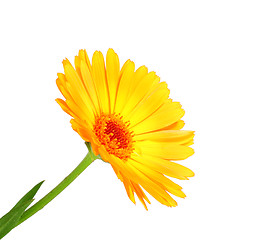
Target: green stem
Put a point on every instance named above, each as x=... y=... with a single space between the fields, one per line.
x=89 y=158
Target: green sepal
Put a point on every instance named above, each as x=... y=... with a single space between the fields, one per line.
x=10 y=220
x=93 y=156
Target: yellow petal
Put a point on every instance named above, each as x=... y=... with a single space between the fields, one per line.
x=166 y=167
x=139 y=74
x=175 y=126
x=164 y=150
x=140 y=194
x=124 y=86
x=129 y=189
x=84 y=57
x=90 y=86
x=61 y=84
x=64 y=106
x=178 y=136
x=101 y=84
x=113 y=75
x=163 y=117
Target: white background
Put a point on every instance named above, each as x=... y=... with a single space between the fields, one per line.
x=209 y=53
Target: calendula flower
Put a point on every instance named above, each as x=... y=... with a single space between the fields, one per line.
x=130 y=121
x=126 y=119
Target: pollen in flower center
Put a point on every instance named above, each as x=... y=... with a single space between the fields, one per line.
x=113 y=133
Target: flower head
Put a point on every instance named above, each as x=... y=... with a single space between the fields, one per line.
x=129 y=119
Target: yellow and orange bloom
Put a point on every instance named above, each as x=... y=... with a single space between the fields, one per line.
x=130 y=121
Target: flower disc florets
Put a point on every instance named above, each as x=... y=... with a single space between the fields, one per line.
x=113 y=133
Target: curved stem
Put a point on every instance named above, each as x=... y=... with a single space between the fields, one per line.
x=89 y=158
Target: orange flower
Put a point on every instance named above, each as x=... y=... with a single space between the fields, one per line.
x=130 y=121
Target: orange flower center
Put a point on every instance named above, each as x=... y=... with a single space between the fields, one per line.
x=113 y=133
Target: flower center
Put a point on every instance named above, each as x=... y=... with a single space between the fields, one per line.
x=114 y=134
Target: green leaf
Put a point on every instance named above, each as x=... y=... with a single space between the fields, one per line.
x=29 y=195
x=10 y=220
